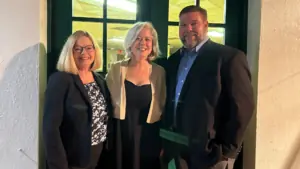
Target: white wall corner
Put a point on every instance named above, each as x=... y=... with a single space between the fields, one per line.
x=22 y=79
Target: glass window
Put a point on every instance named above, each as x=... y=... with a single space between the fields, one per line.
x=116 y=9
x=121 y=9
x=87 y=8
x=94 y=28
x=215 y=10
x=174 y=43
x=175 y=6
x=217 y=34
x=115 y=38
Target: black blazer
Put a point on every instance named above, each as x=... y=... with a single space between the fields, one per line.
x=67 y=120
x=215 y=104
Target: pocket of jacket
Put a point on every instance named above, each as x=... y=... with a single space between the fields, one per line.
x=80 y=107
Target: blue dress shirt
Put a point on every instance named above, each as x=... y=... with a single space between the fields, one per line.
x=186 y=62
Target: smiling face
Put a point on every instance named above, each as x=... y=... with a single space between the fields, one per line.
x=84 y=52
x=192 y=29
x=143 y=45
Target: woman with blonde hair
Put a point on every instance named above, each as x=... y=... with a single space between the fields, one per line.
x=77 y=107
x=138 y=91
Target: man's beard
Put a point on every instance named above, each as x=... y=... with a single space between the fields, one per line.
x=197 y=39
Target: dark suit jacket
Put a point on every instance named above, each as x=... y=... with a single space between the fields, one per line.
x=215 y=105
x=67 y=120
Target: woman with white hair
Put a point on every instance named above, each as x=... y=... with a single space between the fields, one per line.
x=77 y=107
x=138 y=92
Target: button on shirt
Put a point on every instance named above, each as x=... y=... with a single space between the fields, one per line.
x=186 y=62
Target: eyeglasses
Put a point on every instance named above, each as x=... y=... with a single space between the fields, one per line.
x=88 y=48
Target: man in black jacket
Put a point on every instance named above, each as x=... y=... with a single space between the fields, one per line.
x=210 y=98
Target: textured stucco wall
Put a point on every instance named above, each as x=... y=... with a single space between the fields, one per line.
x=277 y=127
x=22 y=76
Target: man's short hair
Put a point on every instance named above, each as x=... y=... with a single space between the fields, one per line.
x=194 y=8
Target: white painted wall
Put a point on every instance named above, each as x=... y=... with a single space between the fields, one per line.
x=274 y=50
x=22 y=78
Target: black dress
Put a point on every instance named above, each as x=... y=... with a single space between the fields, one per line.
x=138 y=143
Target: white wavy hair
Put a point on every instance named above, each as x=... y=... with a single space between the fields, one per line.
x=133 y=33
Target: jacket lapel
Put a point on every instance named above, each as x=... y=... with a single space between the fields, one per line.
x=81 y=88
x=172 y=69
x=172 y=72
x=101 y=83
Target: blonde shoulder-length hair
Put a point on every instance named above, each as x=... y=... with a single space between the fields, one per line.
x=132 y=35
x=66 y=62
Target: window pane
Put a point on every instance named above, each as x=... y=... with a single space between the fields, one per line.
x=217 y=35
x=175 y=6
x=215 y=10
x=121 y=9
x=87 y=8
x=96 y=29
x=174 y=43
x=115 y=38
